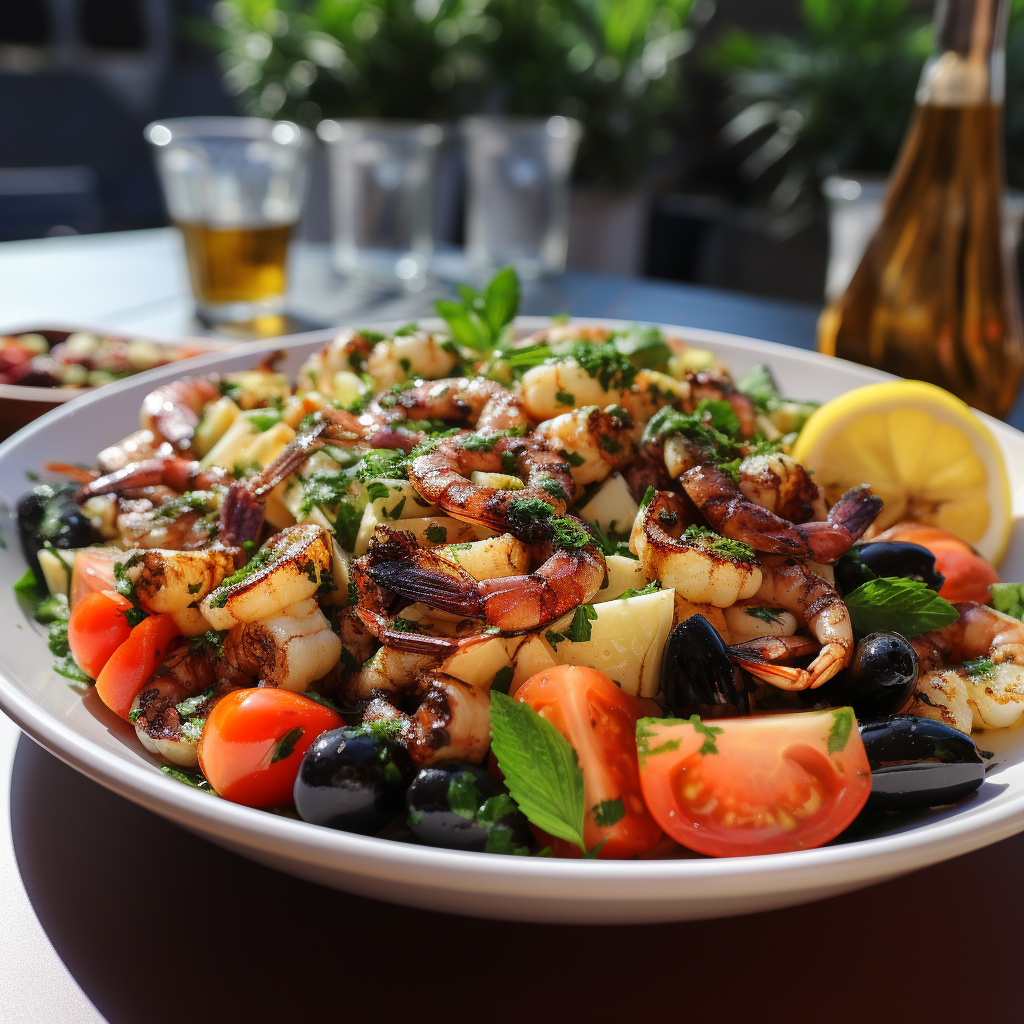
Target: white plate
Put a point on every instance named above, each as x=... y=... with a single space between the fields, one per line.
x=85 y=735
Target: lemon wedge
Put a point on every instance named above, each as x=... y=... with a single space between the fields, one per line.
x=924 y=453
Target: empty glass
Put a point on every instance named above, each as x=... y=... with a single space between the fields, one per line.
x=382 y=180
x=234 y=187
x=518 y=205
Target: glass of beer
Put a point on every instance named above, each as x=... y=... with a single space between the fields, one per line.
x=234 y=188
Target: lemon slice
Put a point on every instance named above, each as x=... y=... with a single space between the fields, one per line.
x=924 y=453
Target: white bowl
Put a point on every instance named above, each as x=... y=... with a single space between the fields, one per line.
x=85 y=735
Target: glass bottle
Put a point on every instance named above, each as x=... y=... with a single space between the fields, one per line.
x=935 y=296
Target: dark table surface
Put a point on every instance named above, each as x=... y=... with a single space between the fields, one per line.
x=155 y=925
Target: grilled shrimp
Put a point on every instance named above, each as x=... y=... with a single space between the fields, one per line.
x=601 y=440
x=173 y=472
x=451 y=723
x=171 y=412
x=791 y=586
x=566 y=578
x=750 y=620
x=485 y=404
x=171 y=581
x=778 y=483
x=699 y=567
x=286 y=570
x=136 y=447
x=993 y=687
x=289 y=650
x=170 y=710
x=174 y=526
x=441 y=478
x=562 y=383
x=734 y=515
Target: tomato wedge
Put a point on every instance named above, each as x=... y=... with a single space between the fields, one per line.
x=128 y=669
x=599 y=720
x=968 y=575
x=254 y=740
x=743 y=786
x=97 y=628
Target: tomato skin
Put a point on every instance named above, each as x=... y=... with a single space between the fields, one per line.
x=599 y=720
x=93 y=571
x=775 y=770
x=238 y=741
x=97 y=628
x=128 y=669
x=968 y=575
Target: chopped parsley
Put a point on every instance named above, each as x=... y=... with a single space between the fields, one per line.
x=565 y=398
x=285 y=746
x=126 y=588
x=265 y=556
x=705 y=537
x=436 y=534
x=212 y=639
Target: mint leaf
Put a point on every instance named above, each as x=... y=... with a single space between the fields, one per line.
x=645 y=347
x=502 y=679
x=501 y=300
x=464 y=798
x=541 y=769
x=579 y=629
x=759 y=386
x=609 y=812
x=1008 y=598
x=285 y=746
x=900 y=605
x=842 y=726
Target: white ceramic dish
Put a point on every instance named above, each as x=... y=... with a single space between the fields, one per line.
x=85 y=735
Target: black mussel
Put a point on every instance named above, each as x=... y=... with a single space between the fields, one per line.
x=461 y=807
x=49 y=514
x=351 y=779
x=864 y=562
x=697 y=677
x=919 y=762
x=881 y=676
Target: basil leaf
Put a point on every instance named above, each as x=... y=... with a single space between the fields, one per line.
x=501 y=300
x=540 y=767
x=899 y=605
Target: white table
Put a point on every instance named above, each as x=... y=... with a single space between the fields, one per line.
x=108 y=913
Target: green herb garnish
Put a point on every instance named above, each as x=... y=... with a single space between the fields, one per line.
x=898 y=605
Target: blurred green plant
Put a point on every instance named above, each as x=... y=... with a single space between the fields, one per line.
x=838 y=99
x=613 y=64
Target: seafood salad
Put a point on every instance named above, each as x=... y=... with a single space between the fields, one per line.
x=563 y=593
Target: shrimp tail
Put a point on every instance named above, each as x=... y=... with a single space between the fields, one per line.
x=403 y=640
x=241 y=517
x=774 y=648
x=847 y=520
x=425 y=576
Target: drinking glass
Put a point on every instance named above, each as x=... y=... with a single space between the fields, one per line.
x=518 y=205
x=382 y=181
x=234 y=187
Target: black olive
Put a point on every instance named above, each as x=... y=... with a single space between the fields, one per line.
x=881 y=677
x=463 y=808
x=919 y=762
x=864 y=562
x=350 y=779
x=49 y=515
x=697 y=676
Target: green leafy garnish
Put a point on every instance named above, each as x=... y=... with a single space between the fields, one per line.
x=652 y=588
x=892 y=603
x=285 y=746
x=193 y=779
x=188 y=707
x=724 y=547
x=609 y=812
x=464 y=797
x=565 y=398
x=843 y=722
x=979 y=667
x=608 y=545
x=768 y=615
x=126 y=588
x=436 y=534
x=645 y=347
x=480 y=319
x=579 y=629
x=502 y=679
x=540 y=767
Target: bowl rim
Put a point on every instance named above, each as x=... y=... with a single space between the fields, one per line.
x=857 y=861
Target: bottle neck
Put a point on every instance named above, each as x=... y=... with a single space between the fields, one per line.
x=968 y=67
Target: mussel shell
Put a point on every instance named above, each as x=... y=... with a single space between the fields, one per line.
x=697 y=676
x=886 y=558
x=919 y=762
x=48 y=514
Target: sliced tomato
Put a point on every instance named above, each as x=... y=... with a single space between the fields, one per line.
x=128 y=669
x=97 y=628
x=968 y=575
x=93 y=571
x=599 y=720
x=254 y=740
x=742 y=786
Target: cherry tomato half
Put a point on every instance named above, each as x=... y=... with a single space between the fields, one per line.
x=599 y=720
x=735 y=787
x=97 y=628
x=968 y=575
x=93 y=570
x=128 y=669
x=253 y=742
